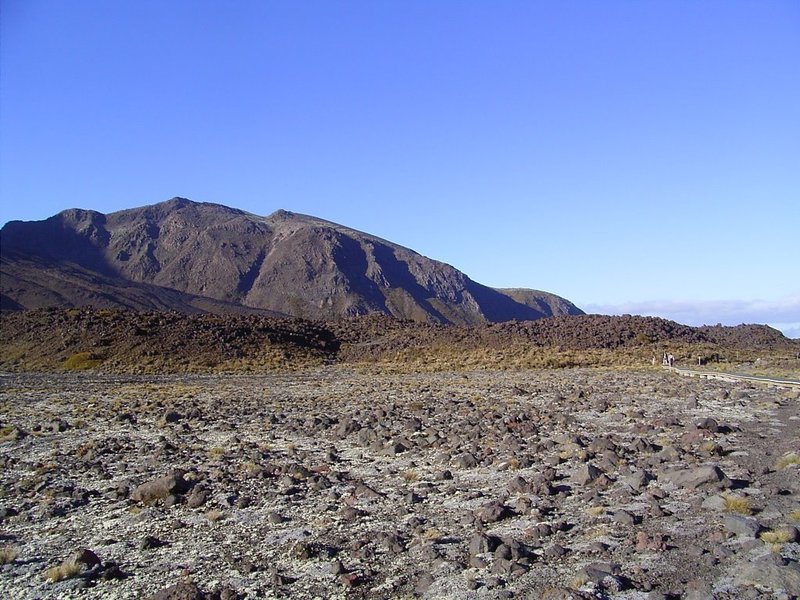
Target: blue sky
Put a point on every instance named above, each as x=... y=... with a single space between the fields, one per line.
x=631 y=156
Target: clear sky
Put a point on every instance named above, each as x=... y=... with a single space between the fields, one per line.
x=631 y=156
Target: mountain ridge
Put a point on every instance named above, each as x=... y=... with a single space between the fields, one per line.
x=190 y=256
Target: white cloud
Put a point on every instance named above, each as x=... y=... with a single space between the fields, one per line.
x=782 y=314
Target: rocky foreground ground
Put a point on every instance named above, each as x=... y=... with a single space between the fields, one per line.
x=330 y=482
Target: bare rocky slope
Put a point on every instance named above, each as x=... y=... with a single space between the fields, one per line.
x=114 y=340
x=196 y=257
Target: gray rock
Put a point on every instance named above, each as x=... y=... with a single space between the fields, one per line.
x=597 y=571
x=392 y=541
x=493 y=512
x=708 y=476
x=707 y=424
x=336 y=568
x=502 y=551
x=716 y=503
x=228 y=593
x=159 y=489
x=520 y=485
x=624 y=518
x=477 y=562
x=424 y=581
x=698 y=590
x=351 y=513
x=741 y=526
x=555 y=551
x=481 y=543
x=84 y=558
x=770 y=572
x=395 y=448
x=225 y=499
x=465 y=461
x=586 y=474
x=364 y=491
x=149 y=542
x=613 y=583
x=276 y=518
x=638 y=481
x=502 y=566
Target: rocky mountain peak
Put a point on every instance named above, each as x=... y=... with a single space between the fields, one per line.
x=213 y=255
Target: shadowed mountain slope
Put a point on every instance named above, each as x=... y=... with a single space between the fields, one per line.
x=192 y=257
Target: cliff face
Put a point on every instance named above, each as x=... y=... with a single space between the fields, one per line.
x=206 y=257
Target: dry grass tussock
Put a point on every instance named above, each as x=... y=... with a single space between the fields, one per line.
x=62 y=571
x=410 y=475
x=215 y=515
x=777 y=536
x=737 y=504
x=787 y=460
x=8 y=554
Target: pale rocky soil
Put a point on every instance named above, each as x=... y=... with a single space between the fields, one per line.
x=337 y=483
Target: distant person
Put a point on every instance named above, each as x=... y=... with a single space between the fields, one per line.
x=670 y=359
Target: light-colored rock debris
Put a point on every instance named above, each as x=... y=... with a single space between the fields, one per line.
x=334 y=483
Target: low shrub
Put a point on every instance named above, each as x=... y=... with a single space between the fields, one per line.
x=82 y=361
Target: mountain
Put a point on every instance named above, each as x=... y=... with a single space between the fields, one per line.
x=545 y=302
x=201 y=257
